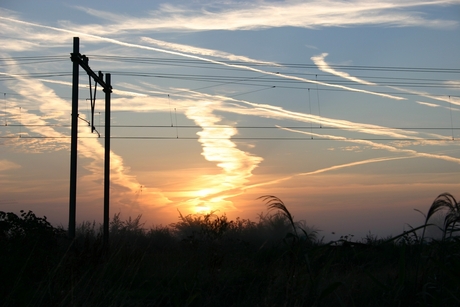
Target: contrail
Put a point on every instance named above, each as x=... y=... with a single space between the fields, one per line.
x=323 y=170
x=322 y=65
x=117 y=42
x=379 y=146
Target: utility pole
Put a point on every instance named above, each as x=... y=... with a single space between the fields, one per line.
x=74 y=136
x=82 y=61
x=107 y=91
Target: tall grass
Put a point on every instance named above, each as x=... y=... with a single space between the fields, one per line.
x=211 y=260
x=445 y=202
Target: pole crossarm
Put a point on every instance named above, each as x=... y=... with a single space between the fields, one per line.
x=83 y=60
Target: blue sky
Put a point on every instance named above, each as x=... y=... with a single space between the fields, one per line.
x=346 y=110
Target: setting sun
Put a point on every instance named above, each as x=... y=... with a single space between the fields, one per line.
x=202 y=209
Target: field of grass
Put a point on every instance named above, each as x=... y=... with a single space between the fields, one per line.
x=209 y=260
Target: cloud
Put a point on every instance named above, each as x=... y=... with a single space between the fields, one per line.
x=322 y=65
x=17 y=45
x=231 y=16
x=114 y=91
x=433 y=105
x=187 y=99
x=376 y=145
x=276 y=112
x=47 y=100
x=261 y=15
x=177 y=53
x=236 y=165
x=123 y=185
x=203 y=51
x=445 y=98
x=323 y=170
x=6 y=165
x=453 y=83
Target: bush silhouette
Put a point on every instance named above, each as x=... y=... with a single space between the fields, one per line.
x=28 y=251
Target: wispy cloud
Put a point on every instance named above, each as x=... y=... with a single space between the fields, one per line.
x=16 y=45
x=260 y=15
x=6 y=165
x=324 y=170
x=203 y=51
x=453 y=83
x=236 y=165
x=188 y=99
x=433 y=105
x=124 y=185
x=177 y=53
x=322 y=65
x=114 y=91
x=376 y=145
x=444 y=98
x=281 y=113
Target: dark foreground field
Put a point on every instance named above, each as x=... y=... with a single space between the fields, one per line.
x=212 y=261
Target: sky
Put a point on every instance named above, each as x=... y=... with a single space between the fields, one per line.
x=348 y=111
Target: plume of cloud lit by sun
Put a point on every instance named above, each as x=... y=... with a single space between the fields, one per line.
x=236 y=165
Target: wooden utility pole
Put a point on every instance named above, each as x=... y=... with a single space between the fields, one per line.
x=82 y=61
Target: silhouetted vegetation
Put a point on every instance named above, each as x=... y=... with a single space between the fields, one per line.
x=209 y=260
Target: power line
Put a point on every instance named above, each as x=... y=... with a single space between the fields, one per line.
x=446 y=139
x=395 y=81
x=153 y=60
x=157 y=60
x=238 y=127
x=267 y=81
x=408 y=82
x=35 y=75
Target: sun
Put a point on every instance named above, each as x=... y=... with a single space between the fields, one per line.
x=202 y=209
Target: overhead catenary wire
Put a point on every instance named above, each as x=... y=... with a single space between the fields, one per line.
x=446 y=139
x=240 y=127
x=261 y=81
x=170 y=112
x=317 y=96
x=309 y=105
x=451 y=121
x=169 y=61
x=156 y=60
x=253 y=91
x=394 y=81
x=4 y=111
x=421 y=83
x=265 y=81
x=177 y=129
